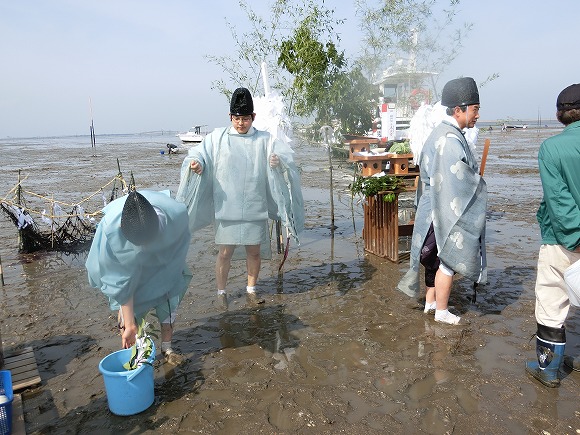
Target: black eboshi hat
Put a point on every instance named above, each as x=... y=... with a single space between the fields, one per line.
x=241 y=103
x=460 y=92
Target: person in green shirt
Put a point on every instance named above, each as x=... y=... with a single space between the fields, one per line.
x=559 y=220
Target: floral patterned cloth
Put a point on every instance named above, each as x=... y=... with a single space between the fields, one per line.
x=452 y=196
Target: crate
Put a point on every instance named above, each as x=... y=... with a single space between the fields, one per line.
x=381 y=229
x=359 y=145
x=400 y=164
x=373 y=167
x=6 y=407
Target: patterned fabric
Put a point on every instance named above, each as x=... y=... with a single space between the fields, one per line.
x=453 y=197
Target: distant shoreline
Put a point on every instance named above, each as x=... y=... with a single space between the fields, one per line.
x=535 y=123
x=548 y=123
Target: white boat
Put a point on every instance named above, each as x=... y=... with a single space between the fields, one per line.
x=513 y=126
x=194 y=135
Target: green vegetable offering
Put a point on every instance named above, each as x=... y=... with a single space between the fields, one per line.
x=370 y=186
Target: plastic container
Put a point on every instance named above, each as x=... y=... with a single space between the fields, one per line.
x=129 y=392
x=6 y=407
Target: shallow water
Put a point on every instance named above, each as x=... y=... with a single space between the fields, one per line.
x=334 y=348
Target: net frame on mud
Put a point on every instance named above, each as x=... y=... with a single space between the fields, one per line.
x=68 y=232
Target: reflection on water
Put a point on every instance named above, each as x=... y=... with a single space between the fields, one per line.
x=269 y=328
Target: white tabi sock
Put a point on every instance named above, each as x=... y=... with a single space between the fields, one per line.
x=251 y=289
x=430 y=306
x=221 y=292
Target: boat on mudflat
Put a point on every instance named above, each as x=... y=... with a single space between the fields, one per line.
x=194 y=135
x=513 y=126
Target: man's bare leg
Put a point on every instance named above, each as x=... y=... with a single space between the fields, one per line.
x=430 y=300
x=443 y=284
x=222 y=265
x=253 y=263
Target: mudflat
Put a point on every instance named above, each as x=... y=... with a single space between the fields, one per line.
x=333 y=349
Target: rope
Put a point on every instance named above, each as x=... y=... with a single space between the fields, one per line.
x=69 y=232
x=60 y=203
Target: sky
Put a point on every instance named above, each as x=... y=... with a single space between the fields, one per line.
x=139 y=65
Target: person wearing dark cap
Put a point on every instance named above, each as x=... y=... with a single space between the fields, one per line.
x=559 y=220
x=449 y=231
x=137 y=260
x=228 y=180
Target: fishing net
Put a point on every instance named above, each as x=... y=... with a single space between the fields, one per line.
x=44 y=223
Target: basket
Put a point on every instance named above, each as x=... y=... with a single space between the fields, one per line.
x=6 y=407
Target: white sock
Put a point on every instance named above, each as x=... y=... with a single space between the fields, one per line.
x=430 y=305
x=165 y=345
x=441 y=314
x=251 y=289
x=221 y=292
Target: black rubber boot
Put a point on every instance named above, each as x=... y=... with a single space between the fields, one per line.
x=550 y=345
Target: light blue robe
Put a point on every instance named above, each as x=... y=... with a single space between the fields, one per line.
x=452 y=196
x=238 y=184
x=152 y=273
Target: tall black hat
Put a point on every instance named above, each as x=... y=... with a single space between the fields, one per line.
x=569 y=98
x=460 y=92
x=139 y=221
x=241 y=103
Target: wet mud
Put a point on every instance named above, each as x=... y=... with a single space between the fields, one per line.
x=334 y=348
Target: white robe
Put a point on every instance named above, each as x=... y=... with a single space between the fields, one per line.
x=237 y=183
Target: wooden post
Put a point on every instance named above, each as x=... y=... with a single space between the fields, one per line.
x=92 y=130
x=331 y=187
x=1 y=279
x=19 y=202
x=484 y=156
x=52 y=219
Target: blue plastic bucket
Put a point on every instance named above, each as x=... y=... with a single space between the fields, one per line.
x=6 y=406
x=129 y=392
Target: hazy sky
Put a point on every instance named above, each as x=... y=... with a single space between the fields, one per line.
x=142 y=64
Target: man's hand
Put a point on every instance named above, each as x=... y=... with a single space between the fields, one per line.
x=129 y=334
x=196 y=167
x=127 y=323
x=274 y=160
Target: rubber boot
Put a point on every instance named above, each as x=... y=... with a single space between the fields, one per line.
x=550 y=345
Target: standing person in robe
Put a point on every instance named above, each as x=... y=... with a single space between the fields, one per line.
x=237 y=178
x=137 y=259
x=449 y=232
x=559 y=219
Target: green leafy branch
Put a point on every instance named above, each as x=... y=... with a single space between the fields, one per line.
x=370 y=186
